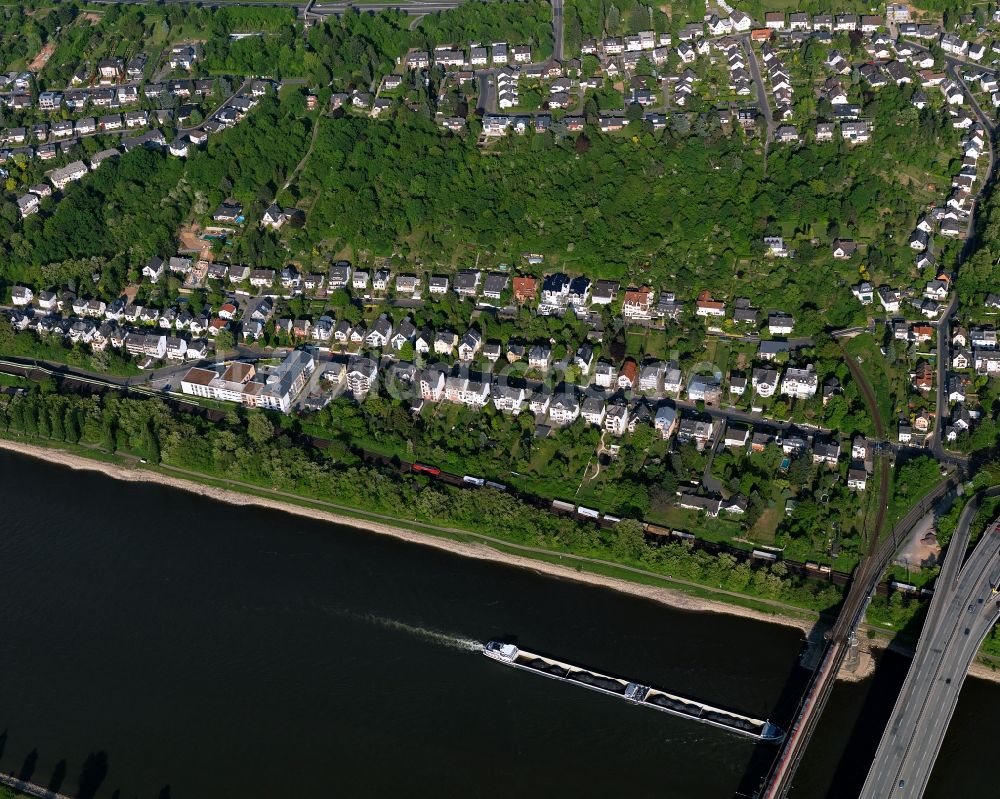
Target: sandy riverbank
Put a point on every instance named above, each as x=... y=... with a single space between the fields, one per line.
x=675 y=598
x=874 y=648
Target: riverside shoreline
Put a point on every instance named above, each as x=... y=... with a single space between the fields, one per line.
x=675 y=598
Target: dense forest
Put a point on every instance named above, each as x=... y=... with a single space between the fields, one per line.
x=22 y=35
x=686 y=208
x=132 y=207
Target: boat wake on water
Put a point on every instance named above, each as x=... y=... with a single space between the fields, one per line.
x=425 y=633
x=434 y=636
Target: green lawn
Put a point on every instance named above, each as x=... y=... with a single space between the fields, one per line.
x=767 y=524
x=721 y=357
x=692 y=521
x=12 y=380
x=635 y=344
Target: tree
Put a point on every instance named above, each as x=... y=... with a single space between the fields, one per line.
x=259 y=428
x=629 y=543
x=150 y=442
x=800 y=470
x=224 y=341
x=70 y=425
x=109 y=432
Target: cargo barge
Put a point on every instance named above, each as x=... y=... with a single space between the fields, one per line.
x=636 y=693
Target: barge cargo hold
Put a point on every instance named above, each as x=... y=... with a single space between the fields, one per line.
x=759 y=729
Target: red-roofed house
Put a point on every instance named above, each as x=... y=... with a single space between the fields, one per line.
x=525 y=289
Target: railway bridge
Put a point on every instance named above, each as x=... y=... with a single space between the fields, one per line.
x=839 y=642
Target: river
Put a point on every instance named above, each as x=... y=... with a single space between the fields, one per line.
x=164 y=645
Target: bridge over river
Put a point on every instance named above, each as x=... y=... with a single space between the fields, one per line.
x=840 y=641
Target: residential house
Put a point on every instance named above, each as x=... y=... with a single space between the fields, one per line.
x=470 y=345
x=21 y=296
x=592 y=410
x=432 y=384
x=651 y=377
x=923 y=377
x=697 y=430
x=800 y=383
x=857 y=477
x=380 y=333
x=507 y=398
x=605 y=374
x=579 y=293
x=467 y=283
x=362 y=374
x=628 y=374
x=776 y=245
x=494 y=285
x=638 y=304
x=564 y=409
x=540 y=357
x=764 y=381
x=737 y=436
x=708 y=307
x=844 y=249
x=604 y=292
x=691 y=501
x=153 y=269
x=525 y=289
x=665 y=421
x=555 y=293
x=780 y=323
x=339 y=276
x=445 y=342
x=262 y=278
x=889 y=298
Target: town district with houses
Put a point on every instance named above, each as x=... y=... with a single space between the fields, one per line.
x=722 y=375
x=695 y=295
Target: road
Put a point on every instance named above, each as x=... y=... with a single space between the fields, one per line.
x=943 y=359
x=236 y=92
x=726 y=415
x=963 y=611
x=29 y=788
x=936 y=445
x=487 y=91
x=203 y=3
x=558 y=27
x=412 y=7
x=713 y=485
x=985 y=179
x=763 y=104
x=486 y=78
x=305 y=157
x=308 y=8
